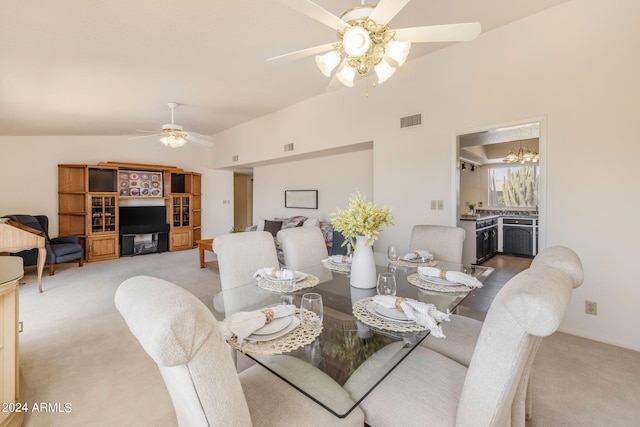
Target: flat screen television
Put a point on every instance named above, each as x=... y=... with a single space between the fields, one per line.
x=132 y=216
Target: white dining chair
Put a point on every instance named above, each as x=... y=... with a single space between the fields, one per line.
x=443 y=241
x=462 y=332
x=184 y=339
x=429 y=388
x=240 y=255
x=302 y=246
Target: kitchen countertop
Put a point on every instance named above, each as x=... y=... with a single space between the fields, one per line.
x=491 y=216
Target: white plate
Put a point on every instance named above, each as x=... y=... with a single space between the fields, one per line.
x=276 y=325
x=294 y=324
x=387 y=313
x=338 y=263
x=418 y=260
x=438 y=281
x=299 y=276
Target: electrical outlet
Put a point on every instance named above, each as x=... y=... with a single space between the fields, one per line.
x=440 y=205
x=591 y=307
x=434 y=205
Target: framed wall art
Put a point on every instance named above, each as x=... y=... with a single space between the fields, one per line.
x=302 y=199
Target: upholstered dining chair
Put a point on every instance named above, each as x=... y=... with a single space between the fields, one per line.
x=181 y=335
x=462 y=332
x=240 y=255
x=444 y=242
x=302 y=246
x=430 y=386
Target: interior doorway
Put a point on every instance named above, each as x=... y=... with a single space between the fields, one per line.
x=481 y=152
x=242 y=200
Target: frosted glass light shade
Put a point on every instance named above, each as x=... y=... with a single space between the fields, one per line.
x=356 y=41
x=173 y=141
x=346 y=75
x=328 y=62
x=398 y=51
x=384 y=71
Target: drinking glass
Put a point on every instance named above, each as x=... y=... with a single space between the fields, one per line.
x=311 y=310
x=287 y=278
x=392 y=253
x=386 y=284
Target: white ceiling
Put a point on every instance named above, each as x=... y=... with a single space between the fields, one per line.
x=109 y=67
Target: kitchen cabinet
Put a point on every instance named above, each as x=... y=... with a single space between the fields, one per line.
x=481 y=239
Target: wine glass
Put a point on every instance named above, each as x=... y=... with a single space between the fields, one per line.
x=392 y=253
x=386 y=284
x=311 y=310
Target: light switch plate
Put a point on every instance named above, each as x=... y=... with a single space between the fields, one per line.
x=440 y=205
x=434 y=205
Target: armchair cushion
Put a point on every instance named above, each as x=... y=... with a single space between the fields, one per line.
x=64 y=239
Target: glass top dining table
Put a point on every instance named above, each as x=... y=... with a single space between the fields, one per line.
x=348 y=353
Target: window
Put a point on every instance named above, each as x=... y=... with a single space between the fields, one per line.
x=514 y=186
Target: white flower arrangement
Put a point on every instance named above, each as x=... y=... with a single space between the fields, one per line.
x=361 y=218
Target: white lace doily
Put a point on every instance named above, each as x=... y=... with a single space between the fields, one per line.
x=299 y=337
x=308 y=282
x=362 y=314
x=415 y=280
x=340 y=268
x=404 y=263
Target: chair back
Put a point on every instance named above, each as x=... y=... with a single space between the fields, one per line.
x=532 y=304
x=337 y=247
x=562 y=258
x=302 y=246
x=444 y=242
x=240 y=255
x=184 y=339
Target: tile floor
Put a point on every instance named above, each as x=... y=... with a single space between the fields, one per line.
x=477 y=304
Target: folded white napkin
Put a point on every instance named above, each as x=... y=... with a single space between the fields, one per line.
x=452 y=276
x=244 y=323
x=274 y=273
x=340 y=259
x=419 y=253
x=423 y=314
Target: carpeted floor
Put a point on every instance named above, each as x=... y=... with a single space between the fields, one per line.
x=77 y=350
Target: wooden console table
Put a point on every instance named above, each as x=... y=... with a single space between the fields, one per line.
x=15 y=237
x=207 y=245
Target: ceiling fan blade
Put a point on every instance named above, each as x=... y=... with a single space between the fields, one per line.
x=199 y=139
x=302 y=53
x=145 y=136
x=440 y=33
x=386 y=10
x=312 y=10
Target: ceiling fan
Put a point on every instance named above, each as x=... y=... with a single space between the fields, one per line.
x=365 y=41
x=174 y=136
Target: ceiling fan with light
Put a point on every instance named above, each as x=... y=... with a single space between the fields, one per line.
x=174 y=136
x=365 y=41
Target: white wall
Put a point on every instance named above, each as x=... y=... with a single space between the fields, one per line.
x=576 y=65
x=335 y=177
x=29 y=172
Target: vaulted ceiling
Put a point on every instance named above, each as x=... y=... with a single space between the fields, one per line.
x=96 y=67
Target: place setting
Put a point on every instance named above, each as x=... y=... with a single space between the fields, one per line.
x=275 y=329
x=338 y=263
x=440 y=280
x=417 y=258
x=387 y=312
x=284 y=279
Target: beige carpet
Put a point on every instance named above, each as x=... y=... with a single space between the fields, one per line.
x=76 y=349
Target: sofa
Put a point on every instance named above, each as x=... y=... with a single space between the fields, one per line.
x=273 y=225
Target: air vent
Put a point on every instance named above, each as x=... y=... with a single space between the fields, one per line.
x=408 y=121
x=288 y=147
x=235 y=158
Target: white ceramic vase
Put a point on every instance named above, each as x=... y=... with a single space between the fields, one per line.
x=363 y=265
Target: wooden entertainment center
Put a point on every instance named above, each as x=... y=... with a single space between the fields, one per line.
x=90 y=197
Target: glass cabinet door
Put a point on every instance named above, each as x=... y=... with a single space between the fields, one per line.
x=181 y=211
x=103 y=214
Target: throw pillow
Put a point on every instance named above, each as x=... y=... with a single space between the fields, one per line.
x=294 y=221
x=311 y=222
x=272 y=226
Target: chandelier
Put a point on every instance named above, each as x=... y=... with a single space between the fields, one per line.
x=524 y=155
x=363 y=46
x=173 y=136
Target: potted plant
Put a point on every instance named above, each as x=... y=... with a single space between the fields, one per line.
x=360 y=223
x=472 y=208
